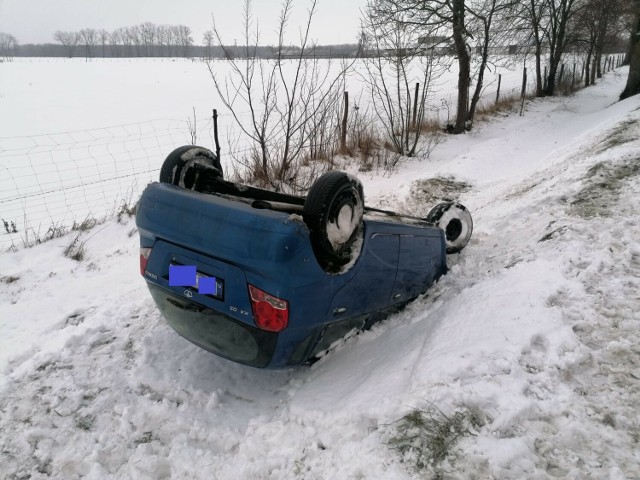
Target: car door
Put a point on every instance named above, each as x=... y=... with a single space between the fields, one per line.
x=420 y=262
x=370 y=289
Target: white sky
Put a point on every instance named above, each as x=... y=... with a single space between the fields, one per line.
x=35 y=21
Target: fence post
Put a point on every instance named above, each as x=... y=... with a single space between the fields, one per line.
x=524 y=89
x=343 y=137
x=545 y=80
x=215 y=132
x=561 y=74
x=415 y=105
x=499 y=83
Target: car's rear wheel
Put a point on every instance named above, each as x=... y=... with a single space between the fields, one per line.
x=455 y=219
x=333 y=211
x=186 y=164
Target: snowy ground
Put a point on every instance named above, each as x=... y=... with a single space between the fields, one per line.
x=534 y=331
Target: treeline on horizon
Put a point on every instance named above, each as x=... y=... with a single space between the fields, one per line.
x=191 y=51
x=150 y=40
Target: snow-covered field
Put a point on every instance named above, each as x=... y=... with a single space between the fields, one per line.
x=532 y=337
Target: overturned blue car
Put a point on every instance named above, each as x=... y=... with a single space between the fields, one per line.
x=273 y=280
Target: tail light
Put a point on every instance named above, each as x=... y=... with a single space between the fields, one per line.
x=271 y=313
x=144 y=258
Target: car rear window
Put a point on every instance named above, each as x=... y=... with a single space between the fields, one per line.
x=215 y=331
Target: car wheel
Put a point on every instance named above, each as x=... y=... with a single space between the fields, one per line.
x=333 y=211
x=181 y=167
x=455 y=219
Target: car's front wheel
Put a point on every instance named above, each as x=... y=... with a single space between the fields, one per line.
x=455 y=219
x=333 y=211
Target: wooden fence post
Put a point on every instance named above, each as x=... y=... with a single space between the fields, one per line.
x=524 y=89
x=343 y=137
x=499 y=83
x=415 y=105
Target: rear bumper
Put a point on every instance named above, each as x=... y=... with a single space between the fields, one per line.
x=214 y=331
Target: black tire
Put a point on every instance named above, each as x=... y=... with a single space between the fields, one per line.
x=455 y=219
x=183 y=165
x=333 y=211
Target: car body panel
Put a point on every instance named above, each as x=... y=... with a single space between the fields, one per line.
x=242 y=245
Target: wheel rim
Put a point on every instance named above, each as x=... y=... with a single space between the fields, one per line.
x=340 y=225
x=453 y=230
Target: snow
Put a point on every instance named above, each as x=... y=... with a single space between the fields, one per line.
x=347 y=221
x=535 y=327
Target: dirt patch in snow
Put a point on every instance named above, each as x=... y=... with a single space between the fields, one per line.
x=604 y=182
x=431 y=190
x=625 y=132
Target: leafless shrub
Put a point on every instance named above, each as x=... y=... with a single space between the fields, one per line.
x=32 y=237
x=430 y=126
x=87 y=224
x=424 y=438
x=76 y=250
x=292 y=102
x=193 y=129
x=126 y=209
x=506 y=103
x=394 y=66
x=362 y=134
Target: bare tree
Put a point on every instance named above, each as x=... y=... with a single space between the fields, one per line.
x=148 y=34
x=170 y=38
x=560 y=14
x=68 y=40
x=89 y=38
x=609 y=21
x=530 y=19
x=184 y=39
x=161 y=36
x=396 y=62
x=597 y=29
x=459 y=20
x=207 y=40
x=487 y=26
x=8 y=45
x=550 y=27
x=633 y=80
x=104 y=37
x=117 y=42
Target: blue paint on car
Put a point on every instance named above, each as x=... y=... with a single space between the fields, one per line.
x=240 y=250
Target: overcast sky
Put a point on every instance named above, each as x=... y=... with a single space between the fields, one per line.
x=35 y=21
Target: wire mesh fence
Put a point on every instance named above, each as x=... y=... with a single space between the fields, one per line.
x=51 y=182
